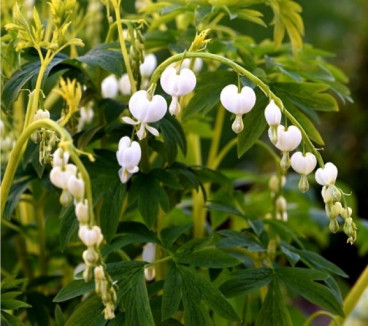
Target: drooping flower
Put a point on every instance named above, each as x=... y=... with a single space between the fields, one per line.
x=59 y=176
x=128 y=155
x=146 y=110
x=273 y=117
x=109 y=87
x=76 y=187
x=41 y=114
x=327 y=175
x=148 y=65
x=238 y=103
x=86 y=115
x=124 y=85
x=60 y=157
x=288 y=139
x=303 y=164
x=90 y=236
x=197 y=65
x=177 y=83
x=81 y=212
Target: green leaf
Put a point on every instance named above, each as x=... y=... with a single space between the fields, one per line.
x=195 y=313
x=246 y=281
x=12 y=304
x=173 y=135
x=68 y=226
x=290 y=255
x=150 y=195
x=199 y=288
x=274 y=311
x=172 y=293
x=251 y=15
x=168 y=178
x=239 y=239
x=74 y=289
x=170 y=234
x=21 y=77
x=89 y=312
x=301 y=280
x=111 y=208
x=59 y=316
x=308 y=96
x=9 y=320
x=100 y=56
x=136 y=302
x=254 y=125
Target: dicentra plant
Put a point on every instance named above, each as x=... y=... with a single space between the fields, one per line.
x=149 y=165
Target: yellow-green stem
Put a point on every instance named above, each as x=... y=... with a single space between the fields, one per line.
x=41 y=236
x=16 y=155
x=124 y=51
x=354 y=295
x=318 y=314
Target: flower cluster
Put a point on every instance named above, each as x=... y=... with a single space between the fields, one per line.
x=326 y=177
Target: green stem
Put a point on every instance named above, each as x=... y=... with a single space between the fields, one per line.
x=16 y=155
x=224 y=152
x=318 y=314
x=354 y=295
x=216 y=137
x=124 y=51
x=144 y=163
x=240 y=70
x=41 y=236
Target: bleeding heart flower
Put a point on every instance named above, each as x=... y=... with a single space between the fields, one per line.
x=146 y=110
x=128 y=155
x=60 y=157
x=90 y=236
x=148 y=66
x=59 y=177
x=303 y=163
x=76 y=187
x=109 y=87
x=81 y=212
x=288 y=139
x=327 y=175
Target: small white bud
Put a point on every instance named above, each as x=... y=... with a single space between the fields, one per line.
x=109 y=87
x=149 y=252
x=90 y=237
x=327 y=175
x=90 y=256
x=148 y=66
x=150 y=273
x=346 y=212
x=76 y=187
x=124 y=85
x=272 y=114
x=81 y=212
x=197 y=66
x=41 y=114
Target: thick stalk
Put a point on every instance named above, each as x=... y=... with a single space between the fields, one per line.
x=354 y=295
x=124 y=51
x=41 y=236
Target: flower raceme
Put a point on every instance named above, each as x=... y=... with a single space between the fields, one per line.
x=238 y=103
x=177 y=82
x=146 y=110
x=128 y=155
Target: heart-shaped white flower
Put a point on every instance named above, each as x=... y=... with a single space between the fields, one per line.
x=288 y=140
x=146 y=110
x=238 y=102
x=124 y=85
x=197 y=66
x=76 y=187
x=303 y=163
x=327 y=175
x=128 y=155
x=60 y=157
x=59 y=177
x=177 y=83
x=81 y=212
x=148 y=65
x=90 y=236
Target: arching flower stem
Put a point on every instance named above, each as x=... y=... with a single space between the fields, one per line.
x=66 y=143
x=240 y=70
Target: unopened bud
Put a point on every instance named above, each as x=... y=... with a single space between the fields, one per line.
x=66 y=198
x=333 y=210
x=346 y=212
x=99 y=273
x=303 y=184
x=90 y=256
x=334 y=225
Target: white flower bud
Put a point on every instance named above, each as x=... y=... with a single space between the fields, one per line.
x=150 y=273
x=333 y=210
x=303 y=163
x=60 y=157
x=81 y=212
x=86 y=114
x=90 y=256
x=272 y=114
x=327 y=175
x=109 y=311
x=197 y=66
x=76 y=187
x=346 y=212
x=90 y=237
x=66 y=198
x=124 y=85
x=59 y=177
x=235 y=102
x=148 y=66
x=41 y=114
x=149 y=252
x=281 y=204
x=288 y=140
x=109 y=87
x=178 y=83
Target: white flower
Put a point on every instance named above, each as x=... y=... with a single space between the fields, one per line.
x=41 y=114
x=60 y=157
x=289 y=139
x=148 y=65
x=146 y=110
x=59 y=177
x=148 y=255
x=86 y=114
x=238 y=103
x=90 y=236
x=177 y=83
x=76 y=187
x=109 y=87
x=327 y=175
x=272 y=114
x=81 y=212
x=303 y=163
x=197 y=66
x=124 y=85
x=128 y=155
